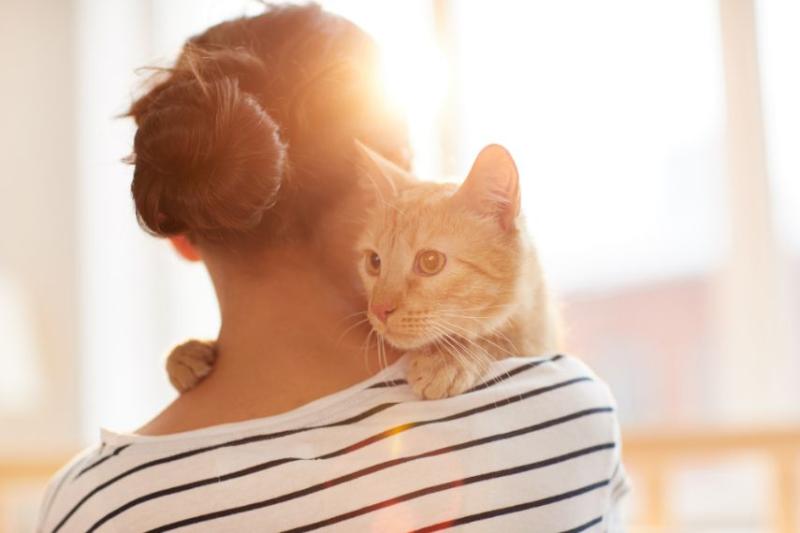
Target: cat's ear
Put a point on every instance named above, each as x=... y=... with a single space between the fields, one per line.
x=384 y=175
x=492 y=186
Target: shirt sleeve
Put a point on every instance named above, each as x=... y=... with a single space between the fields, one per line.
x=56 y=484
x=619 y=489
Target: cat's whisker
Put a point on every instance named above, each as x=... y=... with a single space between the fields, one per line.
x=444 y=347
x=459 y=352
x=378 y=350
x=449 y=346
x=345 y=332
x=463 y=330
x=461 y=347
x=354 y=316
x=455 y=349
x=451 y=314
x=469 y=357
x=481 y=308
x=454 y=352
x=507 y=339
x=382 y=361
x=350 y=316
x=480 y=358
x=444 y=338
x=357 y=317
x=448 y=315
x=489 y=358
x=366 y=348
x=460 y=312
x=498 y=333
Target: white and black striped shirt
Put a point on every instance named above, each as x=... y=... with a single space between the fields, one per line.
x=535 y=447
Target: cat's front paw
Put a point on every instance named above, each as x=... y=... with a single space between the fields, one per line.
x=433 y=375
x=189 y=363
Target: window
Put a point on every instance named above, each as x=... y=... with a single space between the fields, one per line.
x=615 y=113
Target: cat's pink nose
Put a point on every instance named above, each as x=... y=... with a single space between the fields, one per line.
x=382 y=311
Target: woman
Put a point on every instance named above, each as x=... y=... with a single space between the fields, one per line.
x=244 y=158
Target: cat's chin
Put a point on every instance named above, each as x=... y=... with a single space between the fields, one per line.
x=405 y=343
x=400 y=341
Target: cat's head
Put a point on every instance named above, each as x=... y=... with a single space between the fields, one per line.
x=440 y=259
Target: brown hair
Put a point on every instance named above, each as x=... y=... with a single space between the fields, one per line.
x=253 y=127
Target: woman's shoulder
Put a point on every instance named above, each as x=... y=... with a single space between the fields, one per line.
x=571 y=415
x=553 y=391
x=552 y=407
x=560 y=381
x=543 y=369
x=548 y=416
x=76 y=467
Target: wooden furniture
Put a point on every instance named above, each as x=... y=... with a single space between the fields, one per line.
x=29 y=476
x=654 y=455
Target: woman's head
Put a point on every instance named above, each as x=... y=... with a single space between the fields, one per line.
x=249 y=138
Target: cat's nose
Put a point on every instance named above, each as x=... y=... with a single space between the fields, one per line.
x=382 y=311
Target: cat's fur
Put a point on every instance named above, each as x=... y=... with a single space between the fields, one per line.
x=489 y=300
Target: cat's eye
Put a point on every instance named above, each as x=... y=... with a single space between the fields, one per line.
x=372 y=263
x=430 y=262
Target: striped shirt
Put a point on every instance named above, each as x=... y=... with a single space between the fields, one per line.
x=534 y=447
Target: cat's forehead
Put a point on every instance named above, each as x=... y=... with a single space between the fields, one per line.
x=416 y=213
x=422 y=202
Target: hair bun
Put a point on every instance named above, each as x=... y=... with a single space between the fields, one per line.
x=208 y=158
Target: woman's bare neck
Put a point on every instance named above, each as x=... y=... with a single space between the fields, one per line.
x=285 y=340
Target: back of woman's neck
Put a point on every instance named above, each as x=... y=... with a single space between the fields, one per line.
x=290 y=315
x=285 y=340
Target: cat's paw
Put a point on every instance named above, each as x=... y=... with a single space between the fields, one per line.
x=433 y=375
x=189 y=363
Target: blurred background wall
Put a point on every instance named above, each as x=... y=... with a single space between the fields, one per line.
x=38 y=257
x=657 y=142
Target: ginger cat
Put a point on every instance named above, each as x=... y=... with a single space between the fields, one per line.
x=451 y=277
